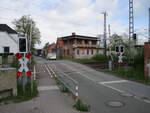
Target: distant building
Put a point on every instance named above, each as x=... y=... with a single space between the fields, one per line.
x=52 y=48
x=8 y=39
x=77 y=46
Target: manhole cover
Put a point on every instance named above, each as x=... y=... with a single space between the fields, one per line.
x=35 y=108
x=115 y=104
x=126 y=94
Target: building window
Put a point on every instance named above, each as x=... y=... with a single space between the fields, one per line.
x=93 y=42
x=6 y=49
x=86 y=42
x=87 y=52
x=92 y=51
x=79 y=41
x=78 y=52
x=68 y=51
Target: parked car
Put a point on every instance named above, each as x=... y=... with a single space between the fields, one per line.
x=51 y=56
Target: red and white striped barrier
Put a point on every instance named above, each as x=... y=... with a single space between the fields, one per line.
x=77 y=88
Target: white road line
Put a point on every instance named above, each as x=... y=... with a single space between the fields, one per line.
x=42 y=66
x=111 y=82
x=78 y=72
x=44 y=88
x=47 y=69
x=51 y=70
x=108 y=86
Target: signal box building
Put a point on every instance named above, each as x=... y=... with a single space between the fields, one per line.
x=77 y=46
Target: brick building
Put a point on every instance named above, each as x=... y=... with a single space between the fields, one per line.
x=52 y=48
x=146 y=59
x=77 y=46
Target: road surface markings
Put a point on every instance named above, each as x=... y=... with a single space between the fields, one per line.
x=78 y=72
x=111 y=82
x=47 y=70
x=42 y=66
x=45 y=88
x=108 y=86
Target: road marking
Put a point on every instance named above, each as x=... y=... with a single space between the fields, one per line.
x=52 y=72
x=42 y=66
x=45 y=88
x=47 y=70
x=111 y=82
x=78 y=72
x=108 y=86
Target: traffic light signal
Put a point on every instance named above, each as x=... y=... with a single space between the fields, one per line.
x=134 y=36
x=22 y=45
x=121 y=49
x=117 y=49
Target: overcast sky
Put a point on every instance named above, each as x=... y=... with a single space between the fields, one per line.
x=56 y=18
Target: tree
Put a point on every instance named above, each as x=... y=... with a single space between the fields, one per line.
x=118 y=40
x=45 y=48
x=27 y=27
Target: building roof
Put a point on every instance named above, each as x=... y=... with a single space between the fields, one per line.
x=78 y=36
x=6 y=28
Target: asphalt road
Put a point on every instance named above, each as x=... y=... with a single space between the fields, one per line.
x=104 y=92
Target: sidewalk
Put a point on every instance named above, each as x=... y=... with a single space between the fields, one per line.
x=50 y=100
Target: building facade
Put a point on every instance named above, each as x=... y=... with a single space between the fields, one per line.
x=77 y=46
x=52 y=48
x=8 y=39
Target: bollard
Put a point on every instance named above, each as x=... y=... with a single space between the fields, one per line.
x=76 y=92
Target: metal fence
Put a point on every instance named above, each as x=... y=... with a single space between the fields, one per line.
x=67 y=81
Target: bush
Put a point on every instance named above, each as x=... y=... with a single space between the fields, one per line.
x=28 y=93
x=80 y=106
x=100 y=57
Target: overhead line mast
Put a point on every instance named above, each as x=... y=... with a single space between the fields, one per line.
x=105 y=34
x=149 y=27
x=131 y=29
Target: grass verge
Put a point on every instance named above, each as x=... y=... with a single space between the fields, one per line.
x=80 y=106
x=22 y=95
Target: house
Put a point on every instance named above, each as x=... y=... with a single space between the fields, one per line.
x=52 y=48
x=8 y=39
x=77 y=46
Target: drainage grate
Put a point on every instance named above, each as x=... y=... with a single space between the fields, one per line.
x=115 y=104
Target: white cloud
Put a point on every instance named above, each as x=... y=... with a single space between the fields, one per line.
x=57 y=18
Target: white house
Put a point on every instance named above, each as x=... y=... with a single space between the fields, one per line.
x=8 y=39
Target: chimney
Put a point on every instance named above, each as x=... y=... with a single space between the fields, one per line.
x=73 y=34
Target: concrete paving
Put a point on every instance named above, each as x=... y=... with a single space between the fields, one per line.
x=50 y=99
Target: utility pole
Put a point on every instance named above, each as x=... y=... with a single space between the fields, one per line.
x=149 y=27
x=131 y=29
x=109 y=31
x=110 y=40
x=105 y=35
